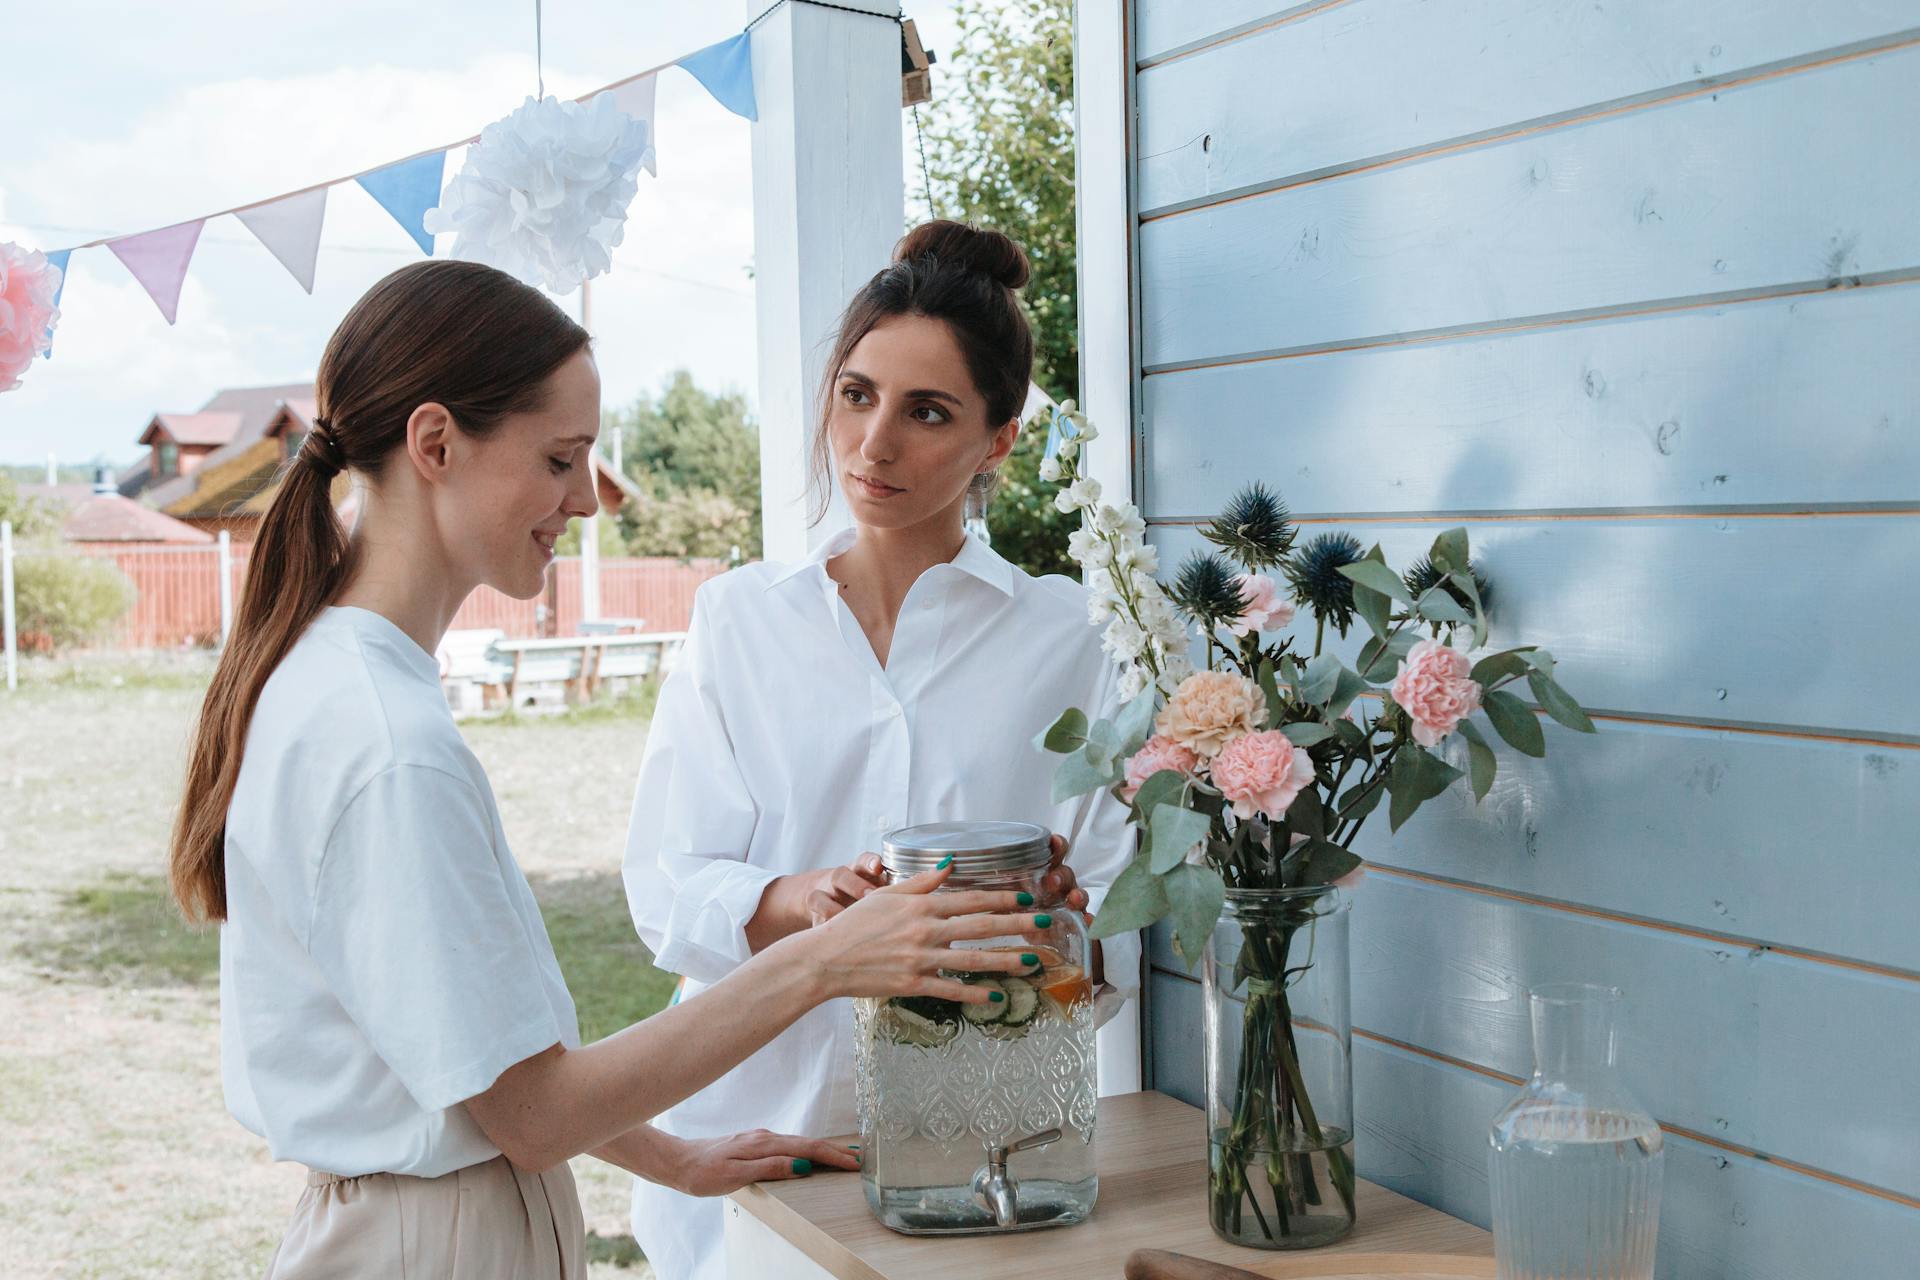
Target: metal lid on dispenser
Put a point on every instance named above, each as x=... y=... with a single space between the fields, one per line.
x=977 y=848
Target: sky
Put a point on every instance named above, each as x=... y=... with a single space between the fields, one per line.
x=141 y=115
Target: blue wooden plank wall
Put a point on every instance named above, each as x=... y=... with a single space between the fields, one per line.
x=1633 y=291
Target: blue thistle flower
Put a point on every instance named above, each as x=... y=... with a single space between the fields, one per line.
x=1204 y=588
x=1254 y=528
x=1314 y=572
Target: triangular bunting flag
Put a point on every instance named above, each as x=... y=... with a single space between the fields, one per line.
x=158 y=260
x=290 y=229
x=407 y=190
x=726 y=69
x=59 y=258
x=636 y=97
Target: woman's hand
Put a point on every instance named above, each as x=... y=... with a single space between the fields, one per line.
x=716 y=1166
x=1059 y=887
x=831 y=890
x=896 y=940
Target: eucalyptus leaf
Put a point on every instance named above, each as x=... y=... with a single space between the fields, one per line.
x=1351 y=735
x=1360 y=800
x=1471 y=589
x=1378 y=667
x=1305 y=733
x=1068 y=733
x=1103 y=743
x=1515 y=722
x=1306 y=816
x=1195 y=895
x=1347 y=686
x=1325 y=862
x=1163 y=787
x=1449 y=554
x=1135 y=724
x=1482 y=764
x=1436 y=604
x=1496 y=667
x=1540 y=660
x=1318 y=680
x=1558 y=702
x=1417 y=777
x=1375 y=575
x=1174 y=832
x=1264 y=678
x=1375 y=606
x=1137 y=899
x=1078 y=775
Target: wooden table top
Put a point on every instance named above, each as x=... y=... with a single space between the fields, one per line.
x=1152 y=1160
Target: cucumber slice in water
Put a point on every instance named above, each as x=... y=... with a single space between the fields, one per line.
x=1023 y=1002
x=910 y=1028
x=992 y=1011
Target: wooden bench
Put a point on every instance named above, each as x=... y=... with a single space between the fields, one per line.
x=471 y=672
x=581 y=664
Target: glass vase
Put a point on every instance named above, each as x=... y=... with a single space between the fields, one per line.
x=1279 y=1039
x=1576 y=1162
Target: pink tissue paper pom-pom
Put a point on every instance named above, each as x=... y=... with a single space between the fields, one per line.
x=27 y=314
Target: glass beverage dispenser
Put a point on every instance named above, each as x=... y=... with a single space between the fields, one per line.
x=980 y=1117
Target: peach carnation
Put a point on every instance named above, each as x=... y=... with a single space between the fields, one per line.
x=1211 y=709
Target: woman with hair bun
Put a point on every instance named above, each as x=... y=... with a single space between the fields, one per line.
x=895 y=676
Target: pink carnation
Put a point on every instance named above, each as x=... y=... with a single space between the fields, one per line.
x=1262 y=773
x=1158 y=753
x=27 y=313
x=1266 y=610
x=1435 y=690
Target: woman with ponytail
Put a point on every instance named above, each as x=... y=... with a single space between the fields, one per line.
x=392 y=1016
x=895 y=676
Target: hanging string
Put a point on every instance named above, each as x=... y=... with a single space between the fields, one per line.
x=539 y=54
x=926 y=180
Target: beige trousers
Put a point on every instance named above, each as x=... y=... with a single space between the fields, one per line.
x=489 y=1221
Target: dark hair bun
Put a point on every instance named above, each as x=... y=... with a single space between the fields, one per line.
x=971 y=248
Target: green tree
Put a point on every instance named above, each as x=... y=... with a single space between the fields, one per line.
x=1000 y=153
x=696 y=454
x=29 y=517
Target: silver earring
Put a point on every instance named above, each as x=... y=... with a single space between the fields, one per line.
x=979 y=489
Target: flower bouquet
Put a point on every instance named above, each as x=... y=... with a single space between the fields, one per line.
x=1249 y=777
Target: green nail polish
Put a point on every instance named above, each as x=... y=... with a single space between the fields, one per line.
x=1029 y=959
x=1043 y=922
x=944 y=863
x=1023 y=898
x=853 y=1146
x=802 y=1167
x=996 y=996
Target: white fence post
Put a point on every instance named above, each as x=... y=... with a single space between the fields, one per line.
x=226 y=585
x=590 y=569
x=10 y=622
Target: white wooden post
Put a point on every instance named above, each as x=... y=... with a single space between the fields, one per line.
x=226 y=585
x=1103 y=217
x=590 y=569
x=829 y=203
x=7 y=617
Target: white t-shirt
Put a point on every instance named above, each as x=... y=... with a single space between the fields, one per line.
x=383 y=959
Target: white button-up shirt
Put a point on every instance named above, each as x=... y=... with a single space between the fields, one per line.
x=781 y=745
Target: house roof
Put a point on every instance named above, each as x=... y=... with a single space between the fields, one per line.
x=623 y=488
x=204 y=429
x=225 y=485
x=257 y=408
x=57 y=498
x=108 y=517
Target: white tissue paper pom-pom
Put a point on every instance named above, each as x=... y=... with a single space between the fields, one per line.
x=543 y=195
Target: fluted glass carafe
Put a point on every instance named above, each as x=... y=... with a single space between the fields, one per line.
x=1576 y=1162
x=980 y=1118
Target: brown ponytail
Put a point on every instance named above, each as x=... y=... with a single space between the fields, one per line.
x=457 y=334
x=964 y=275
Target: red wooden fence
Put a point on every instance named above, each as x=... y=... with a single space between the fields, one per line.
x=177 y=596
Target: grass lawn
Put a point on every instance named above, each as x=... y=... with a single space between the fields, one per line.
x=109 y=1066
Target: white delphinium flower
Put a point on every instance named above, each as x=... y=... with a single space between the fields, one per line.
x=1100 y=607
x=1082 y=493
x=1050 y=470
x=1124 y=640
x=1139 y=559
x=1088 y=550
x=1134 y=681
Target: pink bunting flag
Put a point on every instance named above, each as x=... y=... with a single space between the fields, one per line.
x=290 y=228
x=158 y=260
